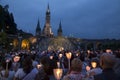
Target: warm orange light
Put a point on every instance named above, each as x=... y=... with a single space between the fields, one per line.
x=94 y=64
x=58 y=73
x=69 y=55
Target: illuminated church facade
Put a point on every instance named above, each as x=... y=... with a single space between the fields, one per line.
x=47 y=29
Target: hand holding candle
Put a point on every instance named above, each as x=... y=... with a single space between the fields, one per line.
x=58 y=73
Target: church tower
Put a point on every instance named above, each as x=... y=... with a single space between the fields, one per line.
x=38 y=29
x=47 y=31
x=59 y=31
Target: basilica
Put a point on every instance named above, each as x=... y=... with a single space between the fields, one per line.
x=47 y=30
x=13 y=39
x=46 y=38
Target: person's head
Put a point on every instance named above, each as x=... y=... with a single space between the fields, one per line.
x=76 y=65
x=107 y=60
x=95 y=60
x=27 y=64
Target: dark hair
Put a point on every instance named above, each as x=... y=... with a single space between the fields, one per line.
x=27 y=64
x=97 y=61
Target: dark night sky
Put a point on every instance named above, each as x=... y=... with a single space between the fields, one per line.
x=96 y=19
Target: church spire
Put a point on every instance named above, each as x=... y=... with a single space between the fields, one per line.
x=38 y=29
x=47 y=30
x=60 y=29
x=48 y=10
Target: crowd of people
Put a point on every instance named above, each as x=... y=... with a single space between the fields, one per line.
x=34 y=65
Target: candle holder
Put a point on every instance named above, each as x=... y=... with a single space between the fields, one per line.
x=94 y=64
x=58 y=73
x=69 y=55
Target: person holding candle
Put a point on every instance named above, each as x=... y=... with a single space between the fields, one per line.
x=94 y=69
x=7 y=73
x=27 y=72
x=75 y=70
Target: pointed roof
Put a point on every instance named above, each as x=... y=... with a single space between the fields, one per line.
x=48 y=9
x=38 y=26
x=60 y=27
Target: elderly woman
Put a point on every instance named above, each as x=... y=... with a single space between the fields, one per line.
x=75 y=71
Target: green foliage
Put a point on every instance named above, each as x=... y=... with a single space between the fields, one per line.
x=3 y=37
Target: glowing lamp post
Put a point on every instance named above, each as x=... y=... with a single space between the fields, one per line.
x=58 y=73
x=94 y=64
x=69 y=55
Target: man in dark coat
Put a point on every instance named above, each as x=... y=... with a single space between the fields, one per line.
x=107 y=62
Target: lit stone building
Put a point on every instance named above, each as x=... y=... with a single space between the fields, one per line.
x=47 y=29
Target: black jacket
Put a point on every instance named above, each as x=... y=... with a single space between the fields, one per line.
x=107 y=74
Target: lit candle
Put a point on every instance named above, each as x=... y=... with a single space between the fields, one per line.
x=58 y=73
x=94 y=64
x=69 y=55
